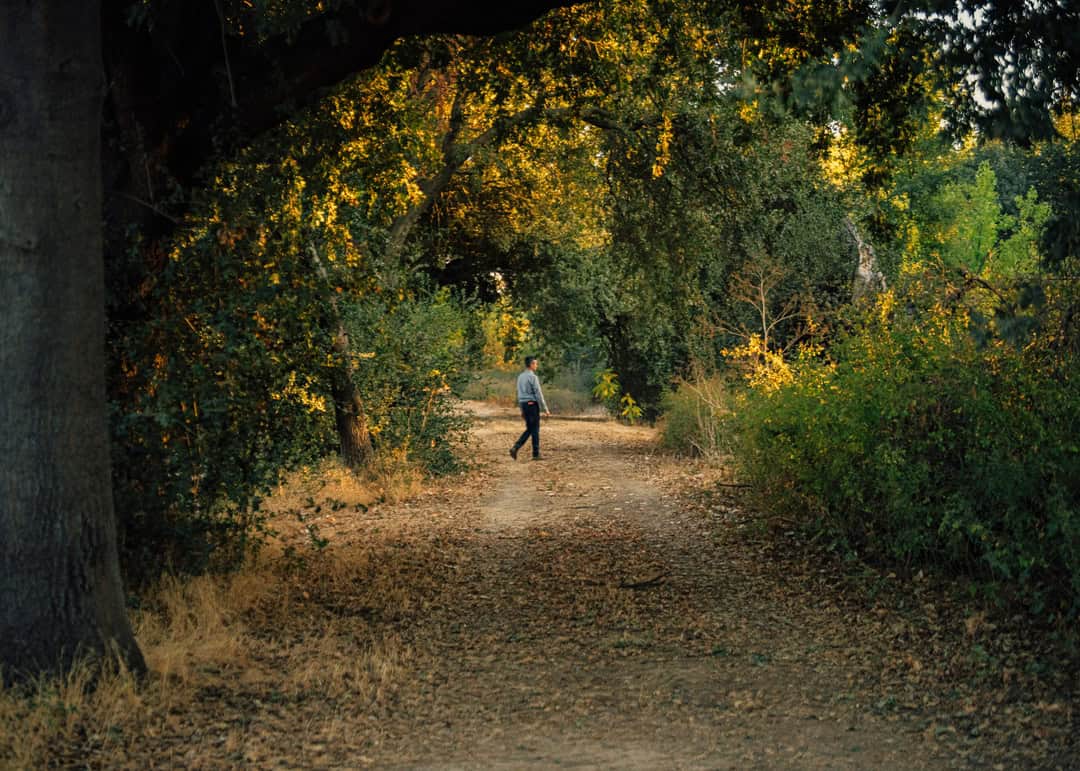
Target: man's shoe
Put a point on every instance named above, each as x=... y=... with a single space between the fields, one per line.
x=513 y=453
x=537 y=457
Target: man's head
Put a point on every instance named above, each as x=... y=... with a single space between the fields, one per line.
x=531 y=362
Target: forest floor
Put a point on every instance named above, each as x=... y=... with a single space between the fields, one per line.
x=607 y=607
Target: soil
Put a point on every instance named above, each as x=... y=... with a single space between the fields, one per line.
x=610 y=606
x=597 y=622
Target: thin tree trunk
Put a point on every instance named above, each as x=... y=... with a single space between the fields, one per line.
x=349 y=413
x=352 y=427
x=60 y=590
x=869 y=280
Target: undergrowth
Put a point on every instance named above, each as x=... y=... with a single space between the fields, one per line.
x=921 y=441
x=694 y=415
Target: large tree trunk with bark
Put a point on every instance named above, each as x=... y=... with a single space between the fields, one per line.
x=60 y=589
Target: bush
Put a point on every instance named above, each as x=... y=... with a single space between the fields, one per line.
x=693 y=417
x=414 y=361
x=209 y=403
x=920 y=445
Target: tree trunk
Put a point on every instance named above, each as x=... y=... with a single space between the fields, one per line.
x=356 y=449
x=60 y=591
x=349 y=413
x=869 y=280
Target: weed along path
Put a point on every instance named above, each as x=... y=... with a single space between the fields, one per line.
x=587 y=617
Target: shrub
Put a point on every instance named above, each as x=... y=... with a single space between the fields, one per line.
x=920 y=445
x=414 y=360
x=609 y=392
x=210 y=402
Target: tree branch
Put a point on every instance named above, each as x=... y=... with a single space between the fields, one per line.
x=168 y=91
x=455 y=155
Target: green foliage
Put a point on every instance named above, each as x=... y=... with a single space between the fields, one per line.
x=694 y=199
x=225 y=359
x=505 y=331
x=971 y=214
x=209 y=411
x=608 y=391
x=736 y=191
x=1057 y=178
x=995 y=207
x=918 y=445
x=600 y=180
x=964 y=226
x=414 y=358
x=1037 y=41
x=629 y=409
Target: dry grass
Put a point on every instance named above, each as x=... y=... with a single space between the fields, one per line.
x=694 y=419
x=80 y=707
x=195 y=627
x=305 y=623
x=393 y=478
x=338 y=666
x=329 y=483
x=390 y=478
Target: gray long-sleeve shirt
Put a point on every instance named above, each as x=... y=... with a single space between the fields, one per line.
x=528 y=389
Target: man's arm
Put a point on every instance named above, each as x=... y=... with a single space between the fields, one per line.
x=540 y=395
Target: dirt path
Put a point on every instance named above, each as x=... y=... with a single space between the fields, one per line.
x=599 y=609
x=606 y=608
x=592 y=620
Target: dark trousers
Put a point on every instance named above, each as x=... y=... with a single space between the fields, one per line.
x=531 y=412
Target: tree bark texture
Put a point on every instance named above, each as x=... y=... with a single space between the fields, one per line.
x=352 y=426
x=349 y=413
x=60 y=588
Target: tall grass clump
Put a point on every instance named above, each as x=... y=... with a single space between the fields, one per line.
x=694 y=415
x=927 y=437
x=86 y=706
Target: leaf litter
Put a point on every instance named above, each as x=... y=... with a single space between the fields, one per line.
x=609 y=607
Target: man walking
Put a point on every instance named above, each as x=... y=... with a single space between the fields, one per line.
x=531 y=400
